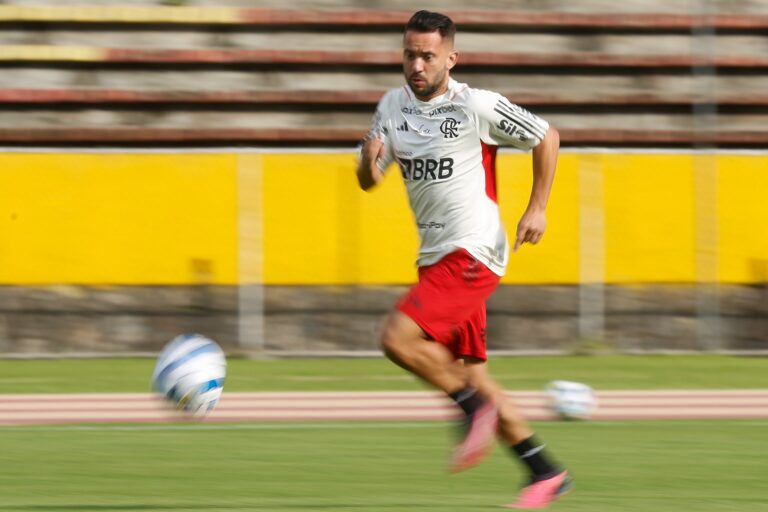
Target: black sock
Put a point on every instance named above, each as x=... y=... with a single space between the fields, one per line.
x=531 y=452
x=468 y=399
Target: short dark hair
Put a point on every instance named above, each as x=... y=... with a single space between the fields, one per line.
x=426 y=21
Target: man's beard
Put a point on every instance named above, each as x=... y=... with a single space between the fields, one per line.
x=424 y=93
x=429 y=89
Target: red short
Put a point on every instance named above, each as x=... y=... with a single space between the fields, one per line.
x=448 y=303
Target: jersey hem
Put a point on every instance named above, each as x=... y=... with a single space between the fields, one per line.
x=432 y=258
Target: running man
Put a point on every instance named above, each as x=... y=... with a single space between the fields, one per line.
x=444 y=136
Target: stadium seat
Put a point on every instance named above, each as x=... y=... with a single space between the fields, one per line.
x=152 y=74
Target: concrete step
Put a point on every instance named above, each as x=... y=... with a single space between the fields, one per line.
x=317 y=98
x=269 y=118
x=584 y=6
x=74 y=85
x=573 y=61
x=536 y=43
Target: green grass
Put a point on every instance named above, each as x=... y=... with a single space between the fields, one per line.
x=373 y=467
x=606 y=372
x=703 y=466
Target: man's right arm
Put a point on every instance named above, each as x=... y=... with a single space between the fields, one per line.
x=368 y=171
x=375 y=154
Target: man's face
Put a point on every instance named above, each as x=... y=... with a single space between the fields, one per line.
x=427 y=58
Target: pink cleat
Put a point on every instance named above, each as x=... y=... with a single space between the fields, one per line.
x=543 y=492
x=479 y=440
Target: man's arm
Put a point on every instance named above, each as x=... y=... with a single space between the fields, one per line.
x=534 y=221
x=368 y=172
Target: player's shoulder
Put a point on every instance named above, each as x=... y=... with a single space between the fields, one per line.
x=472 y=97
x=394 y=99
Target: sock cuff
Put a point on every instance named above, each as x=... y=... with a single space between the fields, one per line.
x=463 y=394
x=528 y=447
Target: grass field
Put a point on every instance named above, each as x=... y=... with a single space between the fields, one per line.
x=373 y=467
x=702 y=466
x=610 y=372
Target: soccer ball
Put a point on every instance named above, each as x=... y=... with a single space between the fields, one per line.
x=190 y=373
x=571 y=400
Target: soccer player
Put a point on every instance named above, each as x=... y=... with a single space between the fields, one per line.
x=444 y=136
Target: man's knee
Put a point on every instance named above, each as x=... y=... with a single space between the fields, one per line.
x=390 y=337
x=398 y=332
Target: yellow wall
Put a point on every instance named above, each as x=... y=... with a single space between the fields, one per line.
x=649 y=218
x=174 y=219
x=742 y=219
x=117 y=219
x=320 y=228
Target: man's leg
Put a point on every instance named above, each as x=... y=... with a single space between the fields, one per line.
x=548 y=480
x=406 y=344
x=513 y=427
x=425 y=335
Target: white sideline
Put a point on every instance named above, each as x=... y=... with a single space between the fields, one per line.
x=350 y=425
x=390 y=406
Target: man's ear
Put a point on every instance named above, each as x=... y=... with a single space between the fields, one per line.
x=453 y=58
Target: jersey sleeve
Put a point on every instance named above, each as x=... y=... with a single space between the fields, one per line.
x=380 y=130
x=503 y=123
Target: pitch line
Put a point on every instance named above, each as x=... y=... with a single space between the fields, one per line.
x=352 y=425
x=376 y=406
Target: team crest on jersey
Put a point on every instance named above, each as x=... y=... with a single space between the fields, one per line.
x=450 y=128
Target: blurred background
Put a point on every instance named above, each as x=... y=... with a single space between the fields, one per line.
x=182 y=166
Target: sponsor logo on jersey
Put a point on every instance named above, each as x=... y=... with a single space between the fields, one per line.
x=422 y=129
x=519 y=117
x=512 y=130
x=431 y=225
x=444 y=109
x=426 y=169
x=450 y=128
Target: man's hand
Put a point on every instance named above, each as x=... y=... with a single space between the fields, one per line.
x=368 y=172
x=530 y=228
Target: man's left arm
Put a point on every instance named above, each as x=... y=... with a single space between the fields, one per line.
x=502 y=122
x=531 y=227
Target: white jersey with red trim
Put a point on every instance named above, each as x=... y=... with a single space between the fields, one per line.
x=446 y=150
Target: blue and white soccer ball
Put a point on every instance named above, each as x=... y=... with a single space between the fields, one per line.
x=571 y=400
x=190 y=373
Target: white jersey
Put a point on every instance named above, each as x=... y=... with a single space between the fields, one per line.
x=446 y=150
